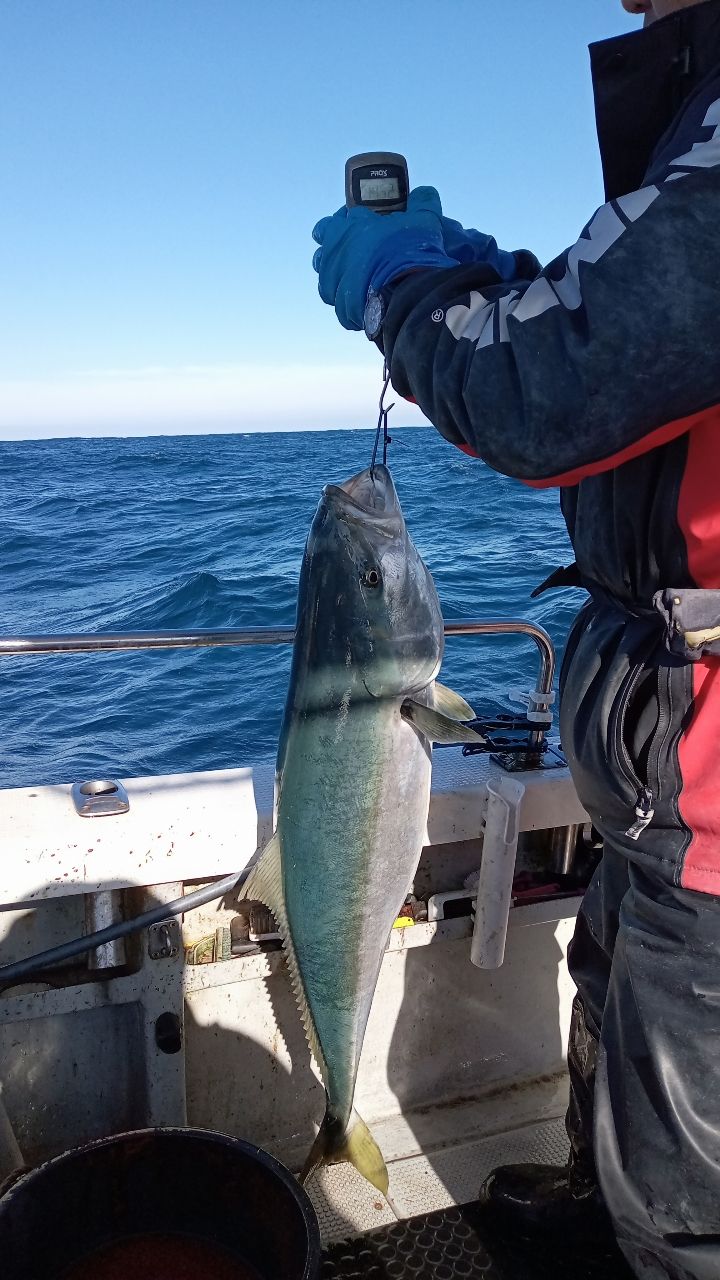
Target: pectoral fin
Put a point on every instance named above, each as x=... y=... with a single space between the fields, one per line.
x=449 y=703
x=437 y=727
x=265 y=884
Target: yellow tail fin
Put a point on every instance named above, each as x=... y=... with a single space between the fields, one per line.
x=355 y=1144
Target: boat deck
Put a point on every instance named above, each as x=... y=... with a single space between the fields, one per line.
x=433 y=1230
x=451 y=1244
x=450 y=1175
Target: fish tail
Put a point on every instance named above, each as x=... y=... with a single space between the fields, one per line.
x=353 y=1142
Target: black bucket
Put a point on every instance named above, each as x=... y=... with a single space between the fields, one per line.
x=158 y=1185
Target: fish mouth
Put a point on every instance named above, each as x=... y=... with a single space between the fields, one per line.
x=370 y=495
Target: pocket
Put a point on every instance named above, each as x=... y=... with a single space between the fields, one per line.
x=632 y=731
x=607 y=710
x=618 y=731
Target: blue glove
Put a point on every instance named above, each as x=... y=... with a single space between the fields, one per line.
x=360 y=249
x=468 y=245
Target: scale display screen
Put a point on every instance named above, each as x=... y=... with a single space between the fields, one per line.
x=374 y=189
x=377 y=180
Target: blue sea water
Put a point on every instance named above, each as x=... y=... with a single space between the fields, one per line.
x=208 y=531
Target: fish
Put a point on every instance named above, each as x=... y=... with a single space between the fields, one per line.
x=353 y=781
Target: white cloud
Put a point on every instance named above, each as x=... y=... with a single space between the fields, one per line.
x=196 y=399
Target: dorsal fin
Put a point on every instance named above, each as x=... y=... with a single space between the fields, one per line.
x=265 y=884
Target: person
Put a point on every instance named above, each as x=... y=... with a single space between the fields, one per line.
x=600 y=374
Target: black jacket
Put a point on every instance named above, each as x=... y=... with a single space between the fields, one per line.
x=601 y=373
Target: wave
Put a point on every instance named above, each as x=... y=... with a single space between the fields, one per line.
x=193 y=531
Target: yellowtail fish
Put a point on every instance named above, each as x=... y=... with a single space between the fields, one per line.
x=353 y=780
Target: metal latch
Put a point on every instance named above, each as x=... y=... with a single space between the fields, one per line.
x=164 y=939
x=100 y=799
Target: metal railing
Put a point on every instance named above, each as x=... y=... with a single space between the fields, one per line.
x=211 y=638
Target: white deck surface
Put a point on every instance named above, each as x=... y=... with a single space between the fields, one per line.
x=195 y=826
x=346 y=1205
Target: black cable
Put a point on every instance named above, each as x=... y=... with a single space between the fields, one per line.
x=121 y=929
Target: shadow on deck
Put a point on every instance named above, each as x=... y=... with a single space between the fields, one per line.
x=458 y=1242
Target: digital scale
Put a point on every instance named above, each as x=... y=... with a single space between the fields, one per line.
x=377 y=180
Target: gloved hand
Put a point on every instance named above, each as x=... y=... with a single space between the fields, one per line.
x=360 y=249
x=468 y=245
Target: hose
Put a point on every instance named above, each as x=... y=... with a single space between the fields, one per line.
x=120 y=929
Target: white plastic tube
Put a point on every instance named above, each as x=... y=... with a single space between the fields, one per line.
x=497 y=870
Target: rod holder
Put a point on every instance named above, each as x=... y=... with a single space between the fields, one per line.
x=497 y=872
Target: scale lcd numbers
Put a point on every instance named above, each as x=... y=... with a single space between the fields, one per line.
x=377 y=180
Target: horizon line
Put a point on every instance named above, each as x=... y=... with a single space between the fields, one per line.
x=50 y=433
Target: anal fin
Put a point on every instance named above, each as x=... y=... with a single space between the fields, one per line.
x=265 y=884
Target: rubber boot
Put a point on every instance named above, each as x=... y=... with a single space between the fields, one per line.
x=557 y=1198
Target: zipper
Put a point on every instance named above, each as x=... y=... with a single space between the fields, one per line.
x=644 y=813
x=644 y=802
x=644 y=809
x=662 y=729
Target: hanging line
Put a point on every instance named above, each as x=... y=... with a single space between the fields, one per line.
x=382 y=421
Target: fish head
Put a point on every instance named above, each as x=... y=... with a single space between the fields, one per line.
x=374 y=608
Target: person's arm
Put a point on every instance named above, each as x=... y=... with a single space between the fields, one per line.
x=613 y=349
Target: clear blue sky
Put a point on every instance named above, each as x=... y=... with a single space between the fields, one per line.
x=164 y=162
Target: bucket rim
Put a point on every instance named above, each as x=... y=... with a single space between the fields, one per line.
x=28 y=1177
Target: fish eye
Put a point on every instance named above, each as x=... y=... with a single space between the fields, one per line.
x=371 y=578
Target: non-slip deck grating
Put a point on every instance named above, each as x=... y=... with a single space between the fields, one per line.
x=458 y=1244
x=441 y=1246
x=347 y=1205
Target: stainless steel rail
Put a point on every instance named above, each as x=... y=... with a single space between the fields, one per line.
x=209 y=638
x=108 y=642
x=511 y=626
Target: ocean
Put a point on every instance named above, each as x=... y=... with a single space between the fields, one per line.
x=208 y=531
